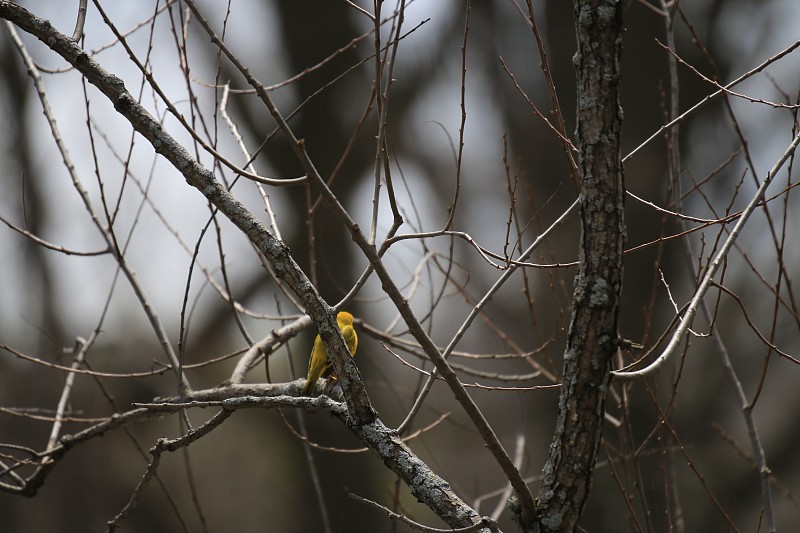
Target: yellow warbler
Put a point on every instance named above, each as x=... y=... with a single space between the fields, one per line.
x=319 y=363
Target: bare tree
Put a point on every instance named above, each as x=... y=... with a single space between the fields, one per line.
x=230 y=176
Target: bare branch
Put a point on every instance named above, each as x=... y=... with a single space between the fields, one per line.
x=686 y=319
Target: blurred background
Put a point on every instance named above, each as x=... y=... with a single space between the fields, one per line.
x=252 y=474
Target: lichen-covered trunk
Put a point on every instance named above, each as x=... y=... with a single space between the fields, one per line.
x=592 y=338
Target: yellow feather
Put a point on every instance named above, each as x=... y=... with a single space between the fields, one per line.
x=319 y=363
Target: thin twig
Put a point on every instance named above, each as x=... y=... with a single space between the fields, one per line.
x=80 y=21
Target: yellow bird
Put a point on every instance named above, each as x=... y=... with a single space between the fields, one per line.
x=319 y=363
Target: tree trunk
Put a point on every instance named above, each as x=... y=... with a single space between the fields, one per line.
x=592 y=338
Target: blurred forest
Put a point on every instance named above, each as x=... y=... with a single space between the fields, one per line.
x=458 y=140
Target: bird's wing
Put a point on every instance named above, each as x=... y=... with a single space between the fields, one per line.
x=350 y=338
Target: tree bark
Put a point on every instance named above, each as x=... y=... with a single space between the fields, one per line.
x=592 y=338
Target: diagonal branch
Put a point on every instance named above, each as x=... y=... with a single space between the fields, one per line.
x=361 y=418
x=708 y=278
x=341 y=360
